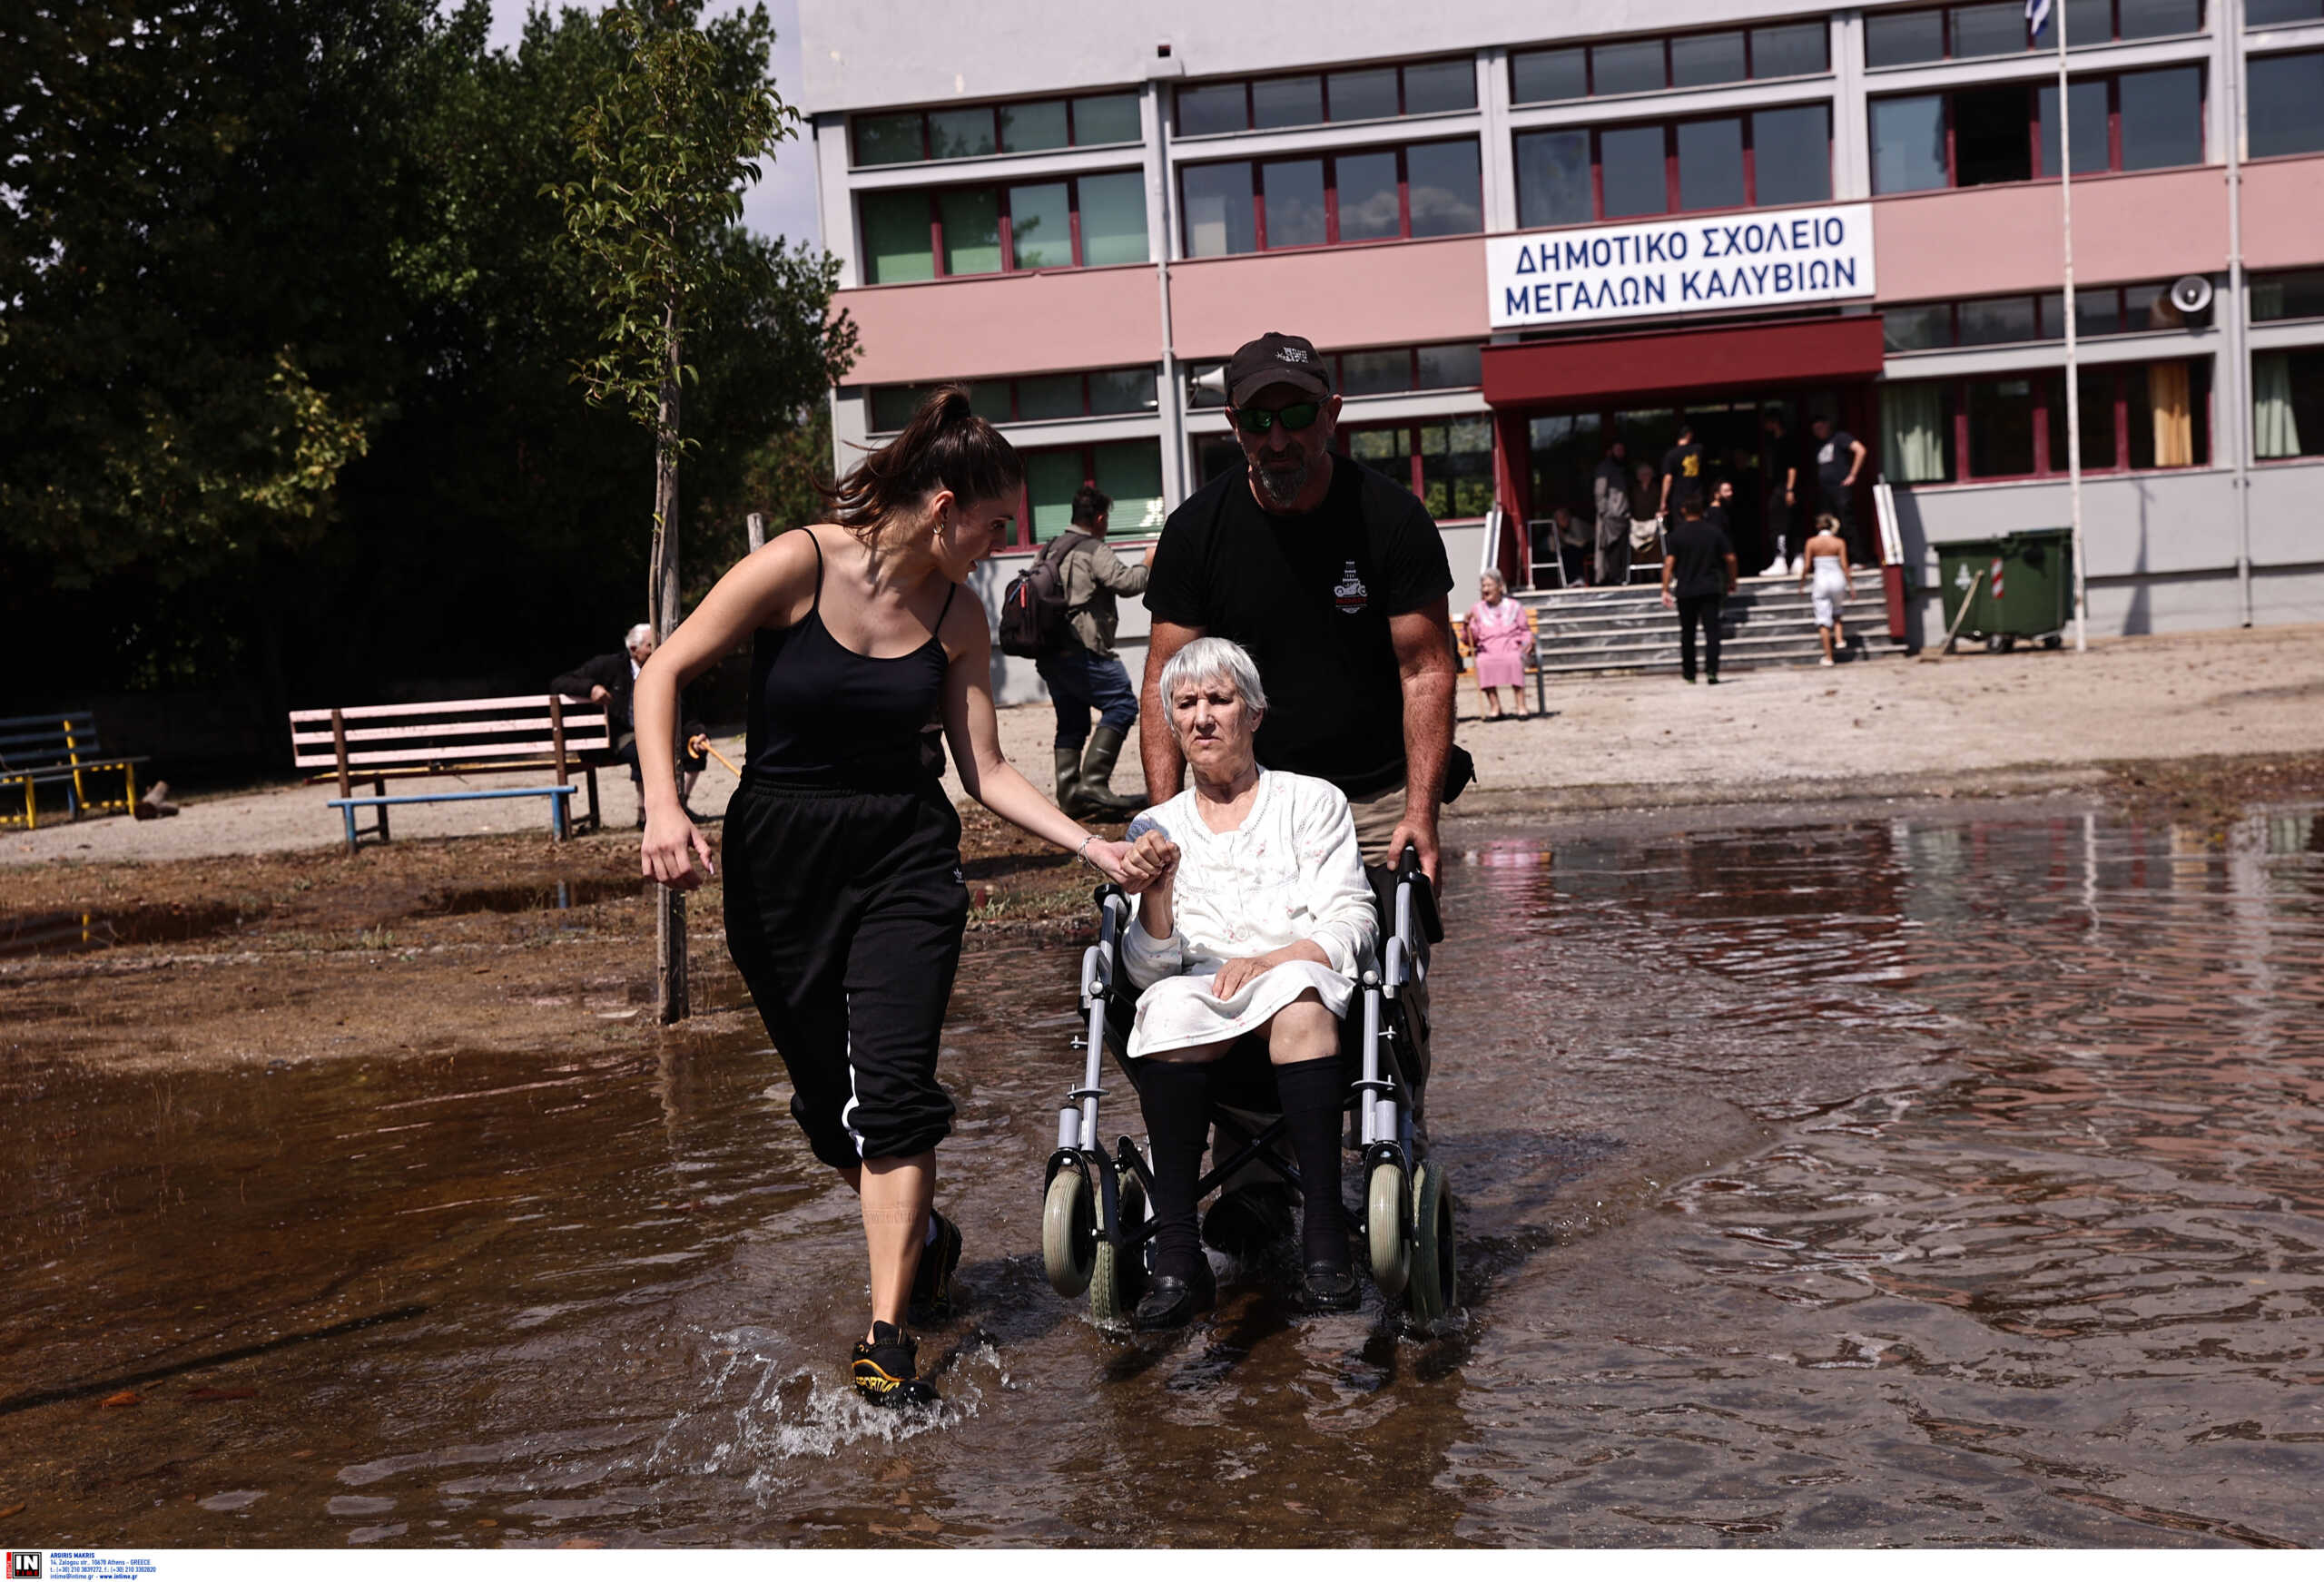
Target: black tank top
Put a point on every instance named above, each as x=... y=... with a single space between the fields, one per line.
x=825 y=716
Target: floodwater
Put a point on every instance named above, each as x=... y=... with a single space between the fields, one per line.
x=1950 y=1178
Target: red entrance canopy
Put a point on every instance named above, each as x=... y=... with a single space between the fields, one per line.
x=1599 y=367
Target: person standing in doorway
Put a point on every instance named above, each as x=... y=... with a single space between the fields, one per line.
x=1682 y=473
x=1826 y=557
x=1572 y=540
x=1779 y=475
x=1611 y=490
x=1698 y=574
x=1084 y=674
x=1840 y=458
x=1721 y=512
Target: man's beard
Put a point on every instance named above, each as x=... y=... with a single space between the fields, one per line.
x=1281 y=488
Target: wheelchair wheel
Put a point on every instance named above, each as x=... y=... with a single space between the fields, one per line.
x=1117 y=1279
x=1383 y=1226
x=1434 y=1283
x=1069 y=1233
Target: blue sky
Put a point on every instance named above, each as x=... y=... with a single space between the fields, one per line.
x=782 y=203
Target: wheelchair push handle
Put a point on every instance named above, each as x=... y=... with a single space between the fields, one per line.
x=1422 y=893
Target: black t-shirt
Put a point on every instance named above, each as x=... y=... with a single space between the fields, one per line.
x=1683 y=466
x=1832 y=459
x=1310 y=597
x=1702 y=549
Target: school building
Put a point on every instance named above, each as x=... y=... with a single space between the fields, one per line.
x=1520 y=229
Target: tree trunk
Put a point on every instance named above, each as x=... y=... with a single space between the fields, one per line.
x=670 y=997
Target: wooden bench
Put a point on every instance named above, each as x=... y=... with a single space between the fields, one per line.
x=477 y=736
x=38 y=750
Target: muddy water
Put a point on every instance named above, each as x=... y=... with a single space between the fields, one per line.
x=1943 y=1179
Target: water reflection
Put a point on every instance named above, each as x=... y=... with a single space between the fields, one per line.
x=1925 y=1180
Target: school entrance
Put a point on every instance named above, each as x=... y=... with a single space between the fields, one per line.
x=1749 y=392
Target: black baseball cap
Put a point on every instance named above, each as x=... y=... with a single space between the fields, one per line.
x=1275 y=359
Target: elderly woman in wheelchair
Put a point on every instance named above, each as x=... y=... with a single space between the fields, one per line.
x=1253 y=913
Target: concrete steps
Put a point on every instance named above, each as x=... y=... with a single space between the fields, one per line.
x=1766 y=621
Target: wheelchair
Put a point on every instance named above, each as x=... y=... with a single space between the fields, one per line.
x=1096 y=1228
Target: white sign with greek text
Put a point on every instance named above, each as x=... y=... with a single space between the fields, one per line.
x=1663 y=267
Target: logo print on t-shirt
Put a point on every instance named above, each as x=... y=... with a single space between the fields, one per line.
x=1349 y=593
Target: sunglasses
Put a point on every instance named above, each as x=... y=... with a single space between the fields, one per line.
x=1293 y=418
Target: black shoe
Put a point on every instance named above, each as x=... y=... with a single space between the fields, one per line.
x=1329 y=1288
x=931 y=1283
x=886 y=1369
x=1246 y=1221
x=1171 y=1303
x=1714 y=680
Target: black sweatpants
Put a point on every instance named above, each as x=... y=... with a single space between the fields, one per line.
x=844 y=911
x=1699 y=610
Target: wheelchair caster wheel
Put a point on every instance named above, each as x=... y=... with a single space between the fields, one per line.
x=1117 y=1280
x=1383 y=1226
x=1069 y=1234
x=1434 y=1288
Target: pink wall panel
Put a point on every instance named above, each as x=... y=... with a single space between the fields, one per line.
x=1005 y=324
x=1394 y=294
x=1985 y=240
x=2283 y=214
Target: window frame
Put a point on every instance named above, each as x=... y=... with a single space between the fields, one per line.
x=1670 y=184
x=2050 y=381
x=2033 y=90
x=1410 y=427
x=1944 y=33
x=1016 y=406
x=1589 y=48
x=1255 y=166
x=1009 y=265
x=1324 y=75
x=927 y=147
x=1085 y=450
x=1195 y=370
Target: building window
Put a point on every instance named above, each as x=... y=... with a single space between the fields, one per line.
x=1973 y=137
x=2285 y=104
x=2288 y=404
x=1447 y=463
x=1650 y=66
x=918 y=233
x=1383 y=372
x=1572 y=175
x=2297 y=295
x=2098 y=311
x=1428 y=189
x=2275 y=13
x=1129 y=470
x=2134 y=416
x=1997 y=27
x=1113 y=392
x=1315 y=98
x=913 y=136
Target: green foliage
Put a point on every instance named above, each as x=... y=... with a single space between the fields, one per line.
x=289 y=321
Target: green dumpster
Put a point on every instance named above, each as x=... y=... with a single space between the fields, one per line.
x=2025 y=589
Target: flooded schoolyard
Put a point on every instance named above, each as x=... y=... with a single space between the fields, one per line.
x=1949 y=1176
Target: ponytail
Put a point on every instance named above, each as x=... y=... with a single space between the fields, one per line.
x=946 y=446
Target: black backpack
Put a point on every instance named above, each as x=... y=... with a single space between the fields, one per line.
x=1034 y=615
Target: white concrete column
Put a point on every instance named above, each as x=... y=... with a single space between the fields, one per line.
x=1500 y=164
x=850 y=427
x=1851 y=122
x=832 y=198
x=1162 y=245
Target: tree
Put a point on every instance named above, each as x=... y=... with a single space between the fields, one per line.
x=668 y=146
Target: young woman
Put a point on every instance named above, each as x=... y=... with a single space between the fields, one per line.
x=1500 y=634
x=1826 y=563
x=845 y=903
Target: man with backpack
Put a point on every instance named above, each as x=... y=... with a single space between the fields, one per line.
x=1060 y=613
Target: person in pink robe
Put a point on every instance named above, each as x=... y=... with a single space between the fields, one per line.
x=1500 y=634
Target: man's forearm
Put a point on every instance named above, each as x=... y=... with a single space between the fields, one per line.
x=1428 y=740
x=1157 y=749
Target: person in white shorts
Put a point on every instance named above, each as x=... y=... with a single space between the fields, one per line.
x=1825 y=576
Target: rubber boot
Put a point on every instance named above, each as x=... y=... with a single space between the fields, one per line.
x=1068 y=779
x=1096 y=799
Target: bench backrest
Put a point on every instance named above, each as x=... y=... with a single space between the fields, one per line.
x=48 y=741
x=474 y=735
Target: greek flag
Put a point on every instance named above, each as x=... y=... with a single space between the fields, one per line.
x=2037 y=16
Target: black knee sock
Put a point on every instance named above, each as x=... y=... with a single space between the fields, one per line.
x=1175 y=1097
x=1313 y=1092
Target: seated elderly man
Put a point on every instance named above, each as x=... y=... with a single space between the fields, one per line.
x=1252 y=913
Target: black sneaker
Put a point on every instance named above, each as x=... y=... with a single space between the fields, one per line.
x=886 y=1369
x=931 y=1283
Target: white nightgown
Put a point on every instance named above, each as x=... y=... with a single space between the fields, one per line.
x=1292 y=872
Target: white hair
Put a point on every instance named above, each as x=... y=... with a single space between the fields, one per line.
x=637 y=634
x=1497 y=580
x=1215 y=659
